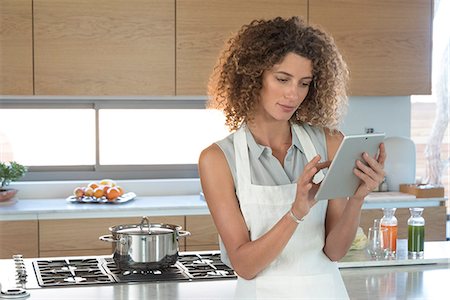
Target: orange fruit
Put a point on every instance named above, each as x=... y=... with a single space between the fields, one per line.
x=78 y=192
x=108 y=182
x=89 y=192
x=105 y=188
x=93 y=185
x=112 y=193
x=98 y=192
x=121 y=190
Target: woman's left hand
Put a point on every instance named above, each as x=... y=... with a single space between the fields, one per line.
x=372 y=174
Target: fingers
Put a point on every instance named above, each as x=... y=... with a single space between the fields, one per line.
x=368 y=181
x=382 y=154
x=374 y=165
x=372 y=174
x=310 y=169
x=323 y=165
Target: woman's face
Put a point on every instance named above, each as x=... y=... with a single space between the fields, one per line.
x=284 y=87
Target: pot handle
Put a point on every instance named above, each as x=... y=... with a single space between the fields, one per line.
x=183 y=233
x=107 y=238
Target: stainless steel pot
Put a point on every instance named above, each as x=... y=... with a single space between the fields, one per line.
x=145 y=246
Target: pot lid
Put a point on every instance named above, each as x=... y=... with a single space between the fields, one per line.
x=145 y=230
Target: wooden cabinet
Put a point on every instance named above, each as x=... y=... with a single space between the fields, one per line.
x=169 y=47
x=16 y=52
x=204 y=26
x=387 y=44
x=80 y=236
x=104 y=47
x=18 y=237
x=435 y=221
x=204 y=234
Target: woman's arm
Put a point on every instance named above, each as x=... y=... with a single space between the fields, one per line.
x=343 y=215
x=247 y=257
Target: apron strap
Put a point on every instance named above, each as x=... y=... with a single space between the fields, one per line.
x=243 y=175
x=310 y=150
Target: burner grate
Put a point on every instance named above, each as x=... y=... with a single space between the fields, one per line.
x=70 y=272
x=172 y=273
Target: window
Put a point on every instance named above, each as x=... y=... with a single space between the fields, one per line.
x=126 y=138
x=48 y=137
x=425 y=109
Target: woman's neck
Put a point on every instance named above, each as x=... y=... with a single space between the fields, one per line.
x=275 y=135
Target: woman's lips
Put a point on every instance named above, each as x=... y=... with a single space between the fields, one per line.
x=286 y=108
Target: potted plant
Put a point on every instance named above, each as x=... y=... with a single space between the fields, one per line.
x=9 y=171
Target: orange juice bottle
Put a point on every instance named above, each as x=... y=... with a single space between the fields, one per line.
x=389 y=221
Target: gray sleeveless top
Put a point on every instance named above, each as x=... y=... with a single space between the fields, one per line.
x=265 y=168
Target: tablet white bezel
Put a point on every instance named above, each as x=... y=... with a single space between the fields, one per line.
x=340 y=181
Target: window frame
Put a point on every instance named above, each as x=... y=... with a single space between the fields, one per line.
x=123 y=172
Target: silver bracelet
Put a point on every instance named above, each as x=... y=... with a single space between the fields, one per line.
x=293 y=217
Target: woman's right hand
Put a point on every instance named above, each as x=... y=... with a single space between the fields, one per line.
x=306 y=188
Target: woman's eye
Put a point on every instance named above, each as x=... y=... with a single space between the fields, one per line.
x=282 y=79
x=305 y=83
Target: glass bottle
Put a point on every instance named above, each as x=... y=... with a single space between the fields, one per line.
x=389 y=221
x=416 y=233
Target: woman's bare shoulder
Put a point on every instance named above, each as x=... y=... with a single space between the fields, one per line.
x=213 y=154
x=333 y=139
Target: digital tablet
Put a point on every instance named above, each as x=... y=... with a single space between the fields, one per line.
x=339 y=180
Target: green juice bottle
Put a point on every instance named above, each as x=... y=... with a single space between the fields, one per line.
x=416 y=233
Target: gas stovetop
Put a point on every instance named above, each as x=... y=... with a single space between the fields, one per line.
x=79 y=271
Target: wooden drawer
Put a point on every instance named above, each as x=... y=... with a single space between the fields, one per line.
x=80 y=235
x=18 y=237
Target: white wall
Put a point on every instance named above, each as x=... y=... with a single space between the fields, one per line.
x=391 y=115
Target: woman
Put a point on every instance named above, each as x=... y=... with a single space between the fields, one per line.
x=282 y=87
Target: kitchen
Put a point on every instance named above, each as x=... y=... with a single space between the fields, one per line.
x=181 y=39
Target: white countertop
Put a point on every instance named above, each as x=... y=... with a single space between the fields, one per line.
x=435 y=252
x=170 y=205
x=407 y=282
x=44 y=209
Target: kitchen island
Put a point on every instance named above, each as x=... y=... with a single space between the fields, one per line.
x=399 y=282
x=400 y=278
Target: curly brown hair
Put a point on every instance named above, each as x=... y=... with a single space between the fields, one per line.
x=236 y=80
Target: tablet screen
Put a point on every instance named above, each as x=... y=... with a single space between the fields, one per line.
x=340 y=181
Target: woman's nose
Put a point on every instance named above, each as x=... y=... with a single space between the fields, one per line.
x=291 y=92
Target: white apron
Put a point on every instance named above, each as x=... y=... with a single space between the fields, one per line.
x=302 y=270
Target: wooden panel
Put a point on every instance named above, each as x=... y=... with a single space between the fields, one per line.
x=203 y=230
x=387 y=44
x=82 y=234
x=104 y=47
x=435 y=221
x=91 y=252
x=202 y=247
x=18 y=237
x=16 y=54
x=204 y=26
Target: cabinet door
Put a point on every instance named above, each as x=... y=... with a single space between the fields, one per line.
x=204 y=234
x=204 y=26
x=16 y=54
x=80 y=236
x=387 y=44
x=18 y=237
x=104 y=47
